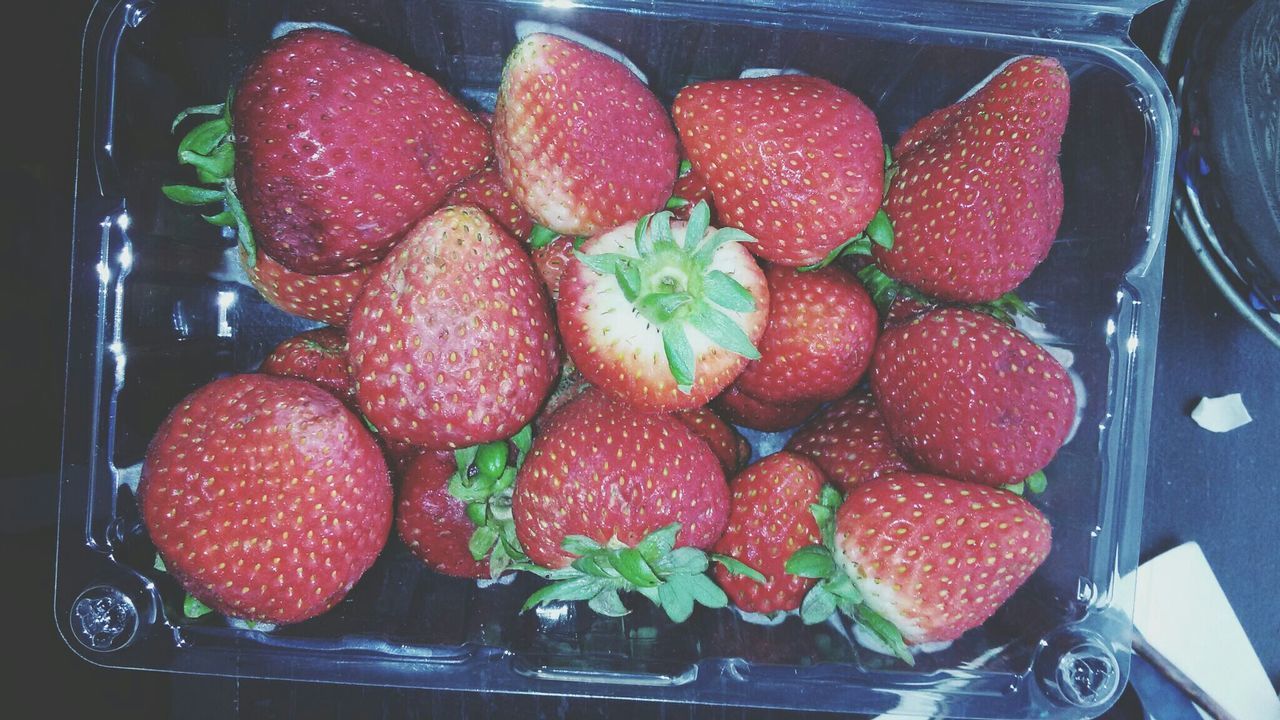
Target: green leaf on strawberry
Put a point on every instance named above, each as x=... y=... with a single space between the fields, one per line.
x=193 y=608
x=484 y=479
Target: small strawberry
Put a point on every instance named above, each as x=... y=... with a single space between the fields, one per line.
x=822 y=330
x=731 y=449
x=486 y=191
x=319 y=356
x=849 y=441
x=663 y=315
x=340 y=148
x=552 y=259
x=793 y=160
x=967 y=396
x=433 y=523
x=326 y=298
x=265 y=497
x=613 y=500
x=690 y=190
x=452 y=343
x=977 y=196
x=769 y=520
x=742 y=409
x=581 y=142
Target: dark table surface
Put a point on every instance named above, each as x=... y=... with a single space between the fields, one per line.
x=1221 y=491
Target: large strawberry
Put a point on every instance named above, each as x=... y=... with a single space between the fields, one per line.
x=977 y=196
x=319 y=356
x=340 y=148
x=793 y=160
x=731 y=449
x=326 y=298
x=452 y=343
x=581 y=142
x=663 y=315
x=770 y=519
x=849 y=441
x=967 y=396
x=613 y=500
x=266 y=497
x=822 y=329
x=742 y=409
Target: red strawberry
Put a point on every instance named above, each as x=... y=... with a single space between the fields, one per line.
x=326 y=298
x=433 y=523
x=452 y=343
x=266 y=497
x=822 y=329
x=552 y=259
x=486 y=191
x=340 y=148
x=581 y=142
x=690 y=190
x=742 y=409
x=319 y=356
x=793 y=160
x=849 y=441
x=663 y=315
x=970 y=397
x=977 y=196
x=770 y=520
x=730 y=447
x=936 y=557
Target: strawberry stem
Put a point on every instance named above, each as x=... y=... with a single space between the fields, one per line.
x=485 y=479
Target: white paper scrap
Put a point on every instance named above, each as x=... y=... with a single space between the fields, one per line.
x=1221 y=414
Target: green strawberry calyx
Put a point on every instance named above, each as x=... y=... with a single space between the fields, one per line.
x=1035 y=483
x=884 y=290
x=835 y=590
x=672 y=578
x=675 y=287
x=485 y=481
x=209 y=147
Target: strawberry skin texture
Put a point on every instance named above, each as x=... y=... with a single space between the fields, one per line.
x=433 y=523
x=552 y=259
x=340 y=148
x=581 y=142
x=619 y=351
x=603 y=470
x=977 y=197
x=452 y=343
x=325 y=298
x=692 y=188
x=730 y=447
x=850 y=442
x=936 y=556
x=821 y=333
x=742 y=409
x=769 y=520
x=794 y=161
x=319 y=356
x=486 y=191
x=266 y=497
x=967 y=396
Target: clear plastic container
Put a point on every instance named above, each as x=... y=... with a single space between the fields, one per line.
x=158 y=308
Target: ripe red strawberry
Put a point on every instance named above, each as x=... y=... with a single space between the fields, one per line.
x=793 y=160
x=769 y=521
x=486 y=191
x=605 y=485
x=452 y=343
x=433 y=523
x=691 y=189
x=266 y=497
x=319 y=356
x=663 y=315
x=967 y=396
x=977 y=197
x=936 y=557
x=731 y=449
x=742 y=409
x=552 y=259
x=340 y=148
x=581 y=142
x=326 y=298
x=849 y=441
x=822 y=329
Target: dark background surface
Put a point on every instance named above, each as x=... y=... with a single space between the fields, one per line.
x=1219 y=490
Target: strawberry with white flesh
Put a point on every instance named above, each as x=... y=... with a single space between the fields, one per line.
x=611 y=500
x=849 y=441
x=977 y=195
x=583 y=144
x=966 y=396
x=792 y=160
x=740 y=408
x=769 y=521
x=266 y=497
x=929 y=558
x=663 y=315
